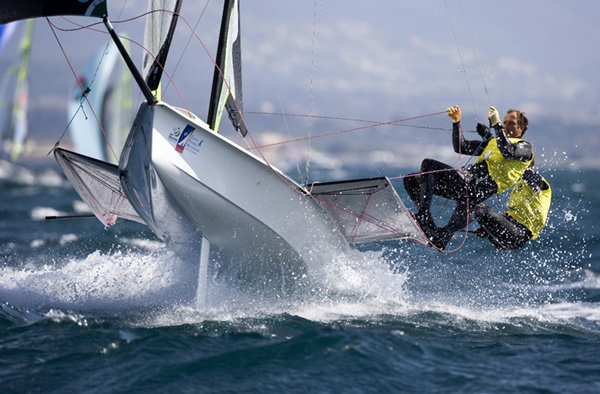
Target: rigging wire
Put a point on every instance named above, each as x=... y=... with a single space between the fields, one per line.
x=479 y=68
x=463 y=69
x=187 y=44
x=83 y=90
x=317 y=9
x=311 y=115
x=91 y=27
x=280 y=103
x=372 y=124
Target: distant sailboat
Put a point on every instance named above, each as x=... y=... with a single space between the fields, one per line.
x=15 y=127
x=100 y=106
x=199 y=191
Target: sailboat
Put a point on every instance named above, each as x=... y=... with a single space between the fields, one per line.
x=14 y=131
x=205 y=195
x=99 y=105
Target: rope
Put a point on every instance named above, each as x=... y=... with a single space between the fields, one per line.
x=253 y=146
x=359 y=128
x=342 y=118
x=84 y=96
x=479 y=68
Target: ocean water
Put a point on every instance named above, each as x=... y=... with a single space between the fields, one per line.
x=86 y=309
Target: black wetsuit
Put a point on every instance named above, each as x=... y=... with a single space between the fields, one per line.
x=504 y=231
x=468 y=187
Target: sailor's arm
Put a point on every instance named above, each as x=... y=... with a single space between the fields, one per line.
x=459 y=143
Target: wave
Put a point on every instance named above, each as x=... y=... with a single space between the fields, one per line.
x=155 y=289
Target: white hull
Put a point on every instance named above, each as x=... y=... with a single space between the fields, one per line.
x=251 y=212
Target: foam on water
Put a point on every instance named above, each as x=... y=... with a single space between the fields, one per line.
x=100 y=282
x=151 y=287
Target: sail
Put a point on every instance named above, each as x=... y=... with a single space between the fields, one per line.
x=227 y=78
x=86 y=132
x=15 y=81
x=98 y=183
x=12 y=10
x=367 y=210
x=7 y=89
x=117 y=110
x=21 y=97
x=6 y=32
x=160 y=27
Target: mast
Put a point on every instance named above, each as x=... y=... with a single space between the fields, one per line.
x=227 y=78
x=146 y=91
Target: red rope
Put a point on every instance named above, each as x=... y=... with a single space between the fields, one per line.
x=328 y=134
x=362 y=216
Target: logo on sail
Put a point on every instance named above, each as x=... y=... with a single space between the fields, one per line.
x=184 y=138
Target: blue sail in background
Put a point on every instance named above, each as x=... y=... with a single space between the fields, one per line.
x=100 y=106
x=6 y=32
x=85 y=127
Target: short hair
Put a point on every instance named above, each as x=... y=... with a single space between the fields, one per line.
x=521 y=119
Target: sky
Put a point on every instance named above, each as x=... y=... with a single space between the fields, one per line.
x=370 y=59
x=415 y=57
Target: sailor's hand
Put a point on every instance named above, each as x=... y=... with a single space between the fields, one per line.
x=454 y=113
x=494 y=117
x=484 y=131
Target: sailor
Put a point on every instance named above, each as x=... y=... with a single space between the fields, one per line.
x=524 y=218
x=501 y=163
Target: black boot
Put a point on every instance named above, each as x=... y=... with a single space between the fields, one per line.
x=439 y=237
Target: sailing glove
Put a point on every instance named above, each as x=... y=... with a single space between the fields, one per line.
x=494 y=117
x=454 y=113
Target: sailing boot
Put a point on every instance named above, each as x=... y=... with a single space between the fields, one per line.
x=439 y=237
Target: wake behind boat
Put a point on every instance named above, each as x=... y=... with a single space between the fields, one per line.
x=199 y=191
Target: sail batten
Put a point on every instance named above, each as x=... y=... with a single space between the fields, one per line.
x=12 y=10
x=227 y=79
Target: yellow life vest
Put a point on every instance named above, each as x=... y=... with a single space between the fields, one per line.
x=505 y=172
x=528 y=207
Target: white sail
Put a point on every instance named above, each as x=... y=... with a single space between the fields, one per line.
x=160 y=27
x=227 y=79
x=98 y=183
x=367 y=210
